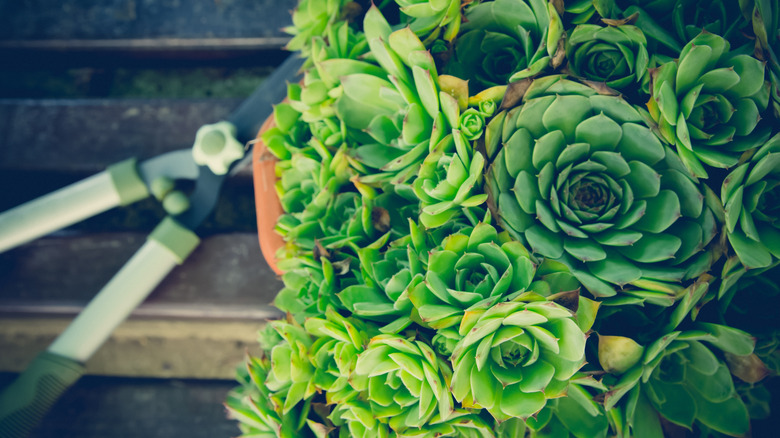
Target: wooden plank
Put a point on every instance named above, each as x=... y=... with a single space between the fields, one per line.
x=111 y=19
x=197 y=324
x=99 y=407
x=226 y=269
x=86 y=135
x=141 y=347
x=50 y=143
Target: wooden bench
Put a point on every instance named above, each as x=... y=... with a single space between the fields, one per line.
x=66 y=113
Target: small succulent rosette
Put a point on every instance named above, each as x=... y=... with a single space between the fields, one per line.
x=749 y=195
x=492 y=51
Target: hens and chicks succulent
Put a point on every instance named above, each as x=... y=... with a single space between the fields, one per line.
x=521 y=218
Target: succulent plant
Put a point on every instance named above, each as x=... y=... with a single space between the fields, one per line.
x=311 y=19
x=749 y=195
x=582 y=179
x=681 y=379
x=395 y=116
x=433 y=18
x=334 y=353
x=449 y=179
x=407 y=383
x=251 y=404
x=709 y=104
x=470 y=269
x=505 y=40
x=453 y=241
x=386 y=276
x=514 y=356
x=615 y=55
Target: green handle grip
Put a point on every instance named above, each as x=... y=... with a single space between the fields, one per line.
x=27 y=400
x=119 y=185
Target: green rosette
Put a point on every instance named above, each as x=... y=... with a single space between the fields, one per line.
x=334 y=352
x=313 y=18
x=291 y=374
x=504 y=41
x=252 y=406
x=386 y=276
x=709 y=104
x=581 y=178
x=333 y=55
x=763 y=15
x=310 y=286
x=308 y=188
x=450 y=178
x=680 y=378
x=431 y=19
x=614 y=55
x=472 y=268
x=750 y=198
x=407 y=384
x=514 y=356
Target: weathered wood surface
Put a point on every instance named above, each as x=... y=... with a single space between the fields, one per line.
x=133 y=19
x=132 y=408
x=112 y=31
x=161 y=347
x=86 y=135
x=49 y=143
x=226 y=269
x=203 y=317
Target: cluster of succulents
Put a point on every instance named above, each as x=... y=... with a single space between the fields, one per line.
x=525 y=218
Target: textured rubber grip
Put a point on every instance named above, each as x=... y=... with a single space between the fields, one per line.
x=27 y=400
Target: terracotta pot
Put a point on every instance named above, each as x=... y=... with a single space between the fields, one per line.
x=267 y=204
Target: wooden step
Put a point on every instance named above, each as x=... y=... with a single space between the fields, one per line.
x=197 y=324
x=117 y=31
x=100 y=407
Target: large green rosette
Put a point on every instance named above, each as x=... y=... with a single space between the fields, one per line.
x=709 y=104
x=581 y=178
x=514 y=356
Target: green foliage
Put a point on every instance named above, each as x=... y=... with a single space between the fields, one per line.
x=571 y=233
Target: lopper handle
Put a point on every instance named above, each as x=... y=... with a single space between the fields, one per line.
x=27 y=400
x=118 y=185
x=167 y=246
